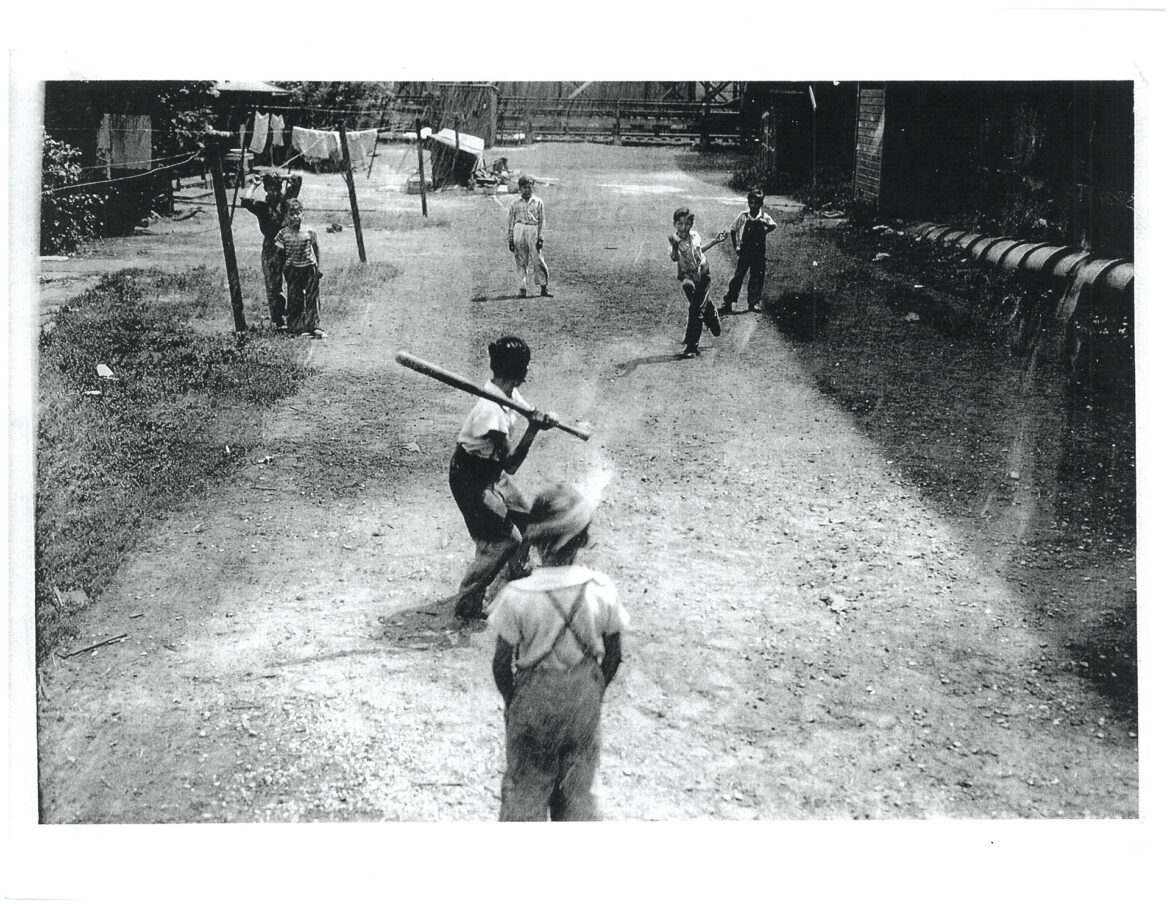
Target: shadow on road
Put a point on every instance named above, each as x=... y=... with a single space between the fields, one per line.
x=628 y=367
x=1038 y=476
x=429 y=627
x=480 y=299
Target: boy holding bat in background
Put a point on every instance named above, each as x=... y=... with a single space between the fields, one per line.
x=485 y=456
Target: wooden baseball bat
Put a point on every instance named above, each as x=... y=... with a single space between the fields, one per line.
x=453 y=379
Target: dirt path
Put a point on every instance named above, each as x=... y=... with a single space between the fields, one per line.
x=812 y=635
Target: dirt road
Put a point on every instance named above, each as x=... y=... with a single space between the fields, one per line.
x=814 y=633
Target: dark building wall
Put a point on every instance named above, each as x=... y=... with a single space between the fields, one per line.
x=1053 y=157
x=870 y=131
x=798 y=139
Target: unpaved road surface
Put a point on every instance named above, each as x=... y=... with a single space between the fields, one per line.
x=815 y=632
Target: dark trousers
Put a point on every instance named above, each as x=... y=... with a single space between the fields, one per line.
x=303 y=312
x=752 y=266
x=552 y=730
x=495 y=512
x=696 y=293
x=273 y=281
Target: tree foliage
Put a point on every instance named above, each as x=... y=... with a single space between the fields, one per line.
x=68 y=216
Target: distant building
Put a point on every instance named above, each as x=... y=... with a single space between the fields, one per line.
x=1057 y=157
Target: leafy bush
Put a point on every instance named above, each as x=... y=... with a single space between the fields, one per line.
x=69 y=216
x=183 y=410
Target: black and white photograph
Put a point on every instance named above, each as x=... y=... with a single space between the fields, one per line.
x=467 y=445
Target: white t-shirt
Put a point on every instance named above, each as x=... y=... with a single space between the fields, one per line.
x=487 y=416
x=524 y=615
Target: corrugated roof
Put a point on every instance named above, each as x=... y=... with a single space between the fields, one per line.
x=471 y=144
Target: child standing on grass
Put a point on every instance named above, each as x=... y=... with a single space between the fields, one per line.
x=300 y=260
x=526 y=238
x=559 y=645
x=747 y=238
x=493 y=508
x=687 y=249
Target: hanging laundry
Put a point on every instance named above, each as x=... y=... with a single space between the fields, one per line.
x=277 y=127
x=361 y=144
x=259 y=133
x=130 y=142
x=314 y=144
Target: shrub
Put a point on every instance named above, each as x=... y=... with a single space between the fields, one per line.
x=69 y=216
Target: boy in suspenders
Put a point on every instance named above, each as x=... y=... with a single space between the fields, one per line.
x=558 y=648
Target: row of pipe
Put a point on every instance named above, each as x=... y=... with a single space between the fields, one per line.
x=1100 y=276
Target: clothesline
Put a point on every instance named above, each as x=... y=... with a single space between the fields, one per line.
x=51 y=191
x=123 y=164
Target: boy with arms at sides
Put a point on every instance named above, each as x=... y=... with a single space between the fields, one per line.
x=526 y=238
x=558 y=648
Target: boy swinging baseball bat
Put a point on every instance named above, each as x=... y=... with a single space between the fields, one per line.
x=453 y=379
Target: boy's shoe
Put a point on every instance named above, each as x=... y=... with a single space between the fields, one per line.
x=545 y=293
x=691 y=351
x=725 y=308
x=711 y=318
x=523 y=293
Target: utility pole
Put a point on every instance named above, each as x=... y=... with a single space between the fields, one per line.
x=353 y=204
x=215 y=160
x=422 y=176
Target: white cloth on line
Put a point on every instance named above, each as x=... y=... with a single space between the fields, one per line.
x=315 y=144
x=276 y=124
x=259 y=133
x=361 y=144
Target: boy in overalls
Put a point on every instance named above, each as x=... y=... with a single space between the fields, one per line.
x=747 y=238
x=558 y=648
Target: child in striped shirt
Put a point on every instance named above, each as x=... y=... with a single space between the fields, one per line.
x=300 y=260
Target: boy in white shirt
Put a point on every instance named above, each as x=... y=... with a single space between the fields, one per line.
x=687 y=249
x=494 y=508
x=526 y=238
x=559 y=645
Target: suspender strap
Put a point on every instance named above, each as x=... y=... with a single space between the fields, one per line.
x=566 y=626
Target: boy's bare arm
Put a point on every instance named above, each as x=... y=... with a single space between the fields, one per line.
x=722 y=237
x=502 y=670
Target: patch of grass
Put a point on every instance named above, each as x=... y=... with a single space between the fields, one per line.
x=183 y=409
x=401 y=220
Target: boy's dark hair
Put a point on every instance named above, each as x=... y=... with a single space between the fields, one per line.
x=755 y=195
x=509 y=356
x=680 y=213
x=565 y=554
x=525 y=179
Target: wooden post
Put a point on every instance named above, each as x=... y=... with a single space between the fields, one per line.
x=353 y=204
x=240 y=174
x=617 y=123
x=422 y=176
x=215 y=159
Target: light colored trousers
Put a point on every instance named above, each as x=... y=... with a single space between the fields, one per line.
x=527 y=257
